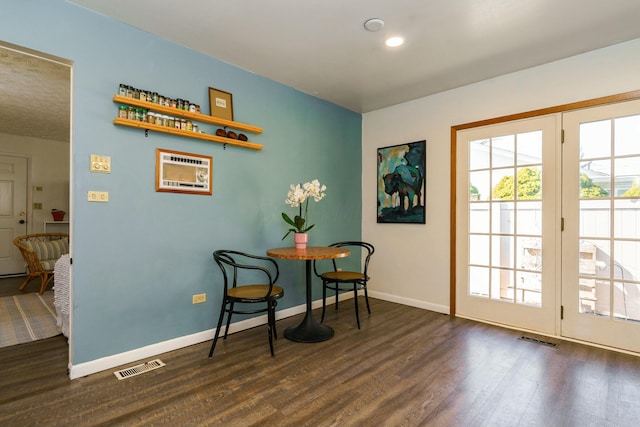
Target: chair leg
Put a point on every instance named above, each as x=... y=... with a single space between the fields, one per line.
x=270 y=325
x=226 y=331
x=46 y=279
x=215 y=338
x=355 y=297
x=269 y=332
x=366 y=297
x=324 y=299
x=26 y=282
x=273 y=319
x=337 y=288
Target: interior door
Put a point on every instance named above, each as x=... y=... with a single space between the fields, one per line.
x=507 y=244
x=13 y=212
x=601 y=239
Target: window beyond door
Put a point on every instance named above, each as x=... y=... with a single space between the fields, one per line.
x=505 y=217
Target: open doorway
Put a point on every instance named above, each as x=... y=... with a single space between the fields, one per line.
x=35 y=147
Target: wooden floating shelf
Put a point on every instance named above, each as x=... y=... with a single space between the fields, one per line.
x=203 y=118
x=188 y=134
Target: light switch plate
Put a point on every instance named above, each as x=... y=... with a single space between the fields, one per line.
x=101 y=164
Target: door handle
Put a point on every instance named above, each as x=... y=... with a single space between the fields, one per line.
x=22 y=221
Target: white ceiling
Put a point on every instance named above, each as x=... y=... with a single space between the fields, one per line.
x=321 y=47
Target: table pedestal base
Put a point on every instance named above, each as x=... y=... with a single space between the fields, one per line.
x=309 y=331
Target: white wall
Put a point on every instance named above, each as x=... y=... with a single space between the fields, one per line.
x=49 y=169
x=411 y=263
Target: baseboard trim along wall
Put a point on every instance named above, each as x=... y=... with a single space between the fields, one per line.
x=444 y=309
x=153 y=350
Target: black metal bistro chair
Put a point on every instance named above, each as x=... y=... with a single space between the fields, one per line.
x=236 y=267
x=338 y=279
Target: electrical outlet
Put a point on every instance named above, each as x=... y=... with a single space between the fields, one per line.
x=98 y=196
x=199 y=298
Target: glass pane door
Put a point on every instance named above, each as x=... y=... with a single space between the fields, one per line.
x=602 y=238
x=509 y=214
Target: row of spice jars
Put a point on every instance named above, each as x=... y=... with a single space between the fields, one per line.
x=144 y=115
x=156 y=98
x=132 y=113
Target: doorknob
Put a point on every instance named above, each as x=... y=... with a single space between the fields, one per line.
x=22 y=221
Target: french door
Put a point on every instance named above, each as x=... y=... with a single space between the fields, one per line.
x=548 y=232
x=601 y=241
x=507 y=238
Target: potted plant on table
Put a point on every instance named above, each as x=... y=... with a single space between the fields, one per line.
x=297 y=196
x=57 y=214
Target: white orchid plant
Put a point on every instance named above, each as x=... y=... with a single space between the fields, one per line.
x=297 y=196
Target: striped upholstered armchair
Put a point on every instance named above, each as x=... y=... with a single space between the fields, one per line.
x=40 y=253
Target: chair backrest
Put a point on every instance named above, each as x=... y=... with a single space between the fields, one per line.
x=366 y=248
x=40 y=247
x=238 y=268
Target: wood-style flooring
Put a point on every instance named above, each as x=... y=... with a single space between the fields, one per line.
x=9 y=286
x=405 y=367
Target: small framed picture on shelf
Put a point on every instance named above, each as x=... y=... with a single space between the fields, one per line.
x=220 y=104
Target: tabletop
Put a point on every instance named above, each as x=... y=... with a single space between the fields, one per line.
x=311 y=252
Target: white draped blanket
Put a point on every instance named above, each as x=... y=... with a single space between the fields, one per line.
x=61 y=281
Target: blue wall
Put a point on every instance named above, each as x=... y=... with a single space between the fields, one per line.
x=139 y=258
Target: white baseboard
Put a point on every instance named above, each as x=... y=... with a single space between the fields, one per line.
x=444 y=309
x=104 y=363
x=153 y=350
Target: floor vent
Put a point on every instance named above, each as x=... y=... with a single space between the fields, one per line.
x=138 y=369
x=537 y=341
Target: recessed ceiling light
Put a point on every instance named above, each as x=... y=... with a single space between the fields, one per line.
x=394 y=41
x=374 y=24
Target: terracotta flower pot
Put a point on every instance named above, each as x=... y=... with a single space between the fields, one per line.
x=58 y=215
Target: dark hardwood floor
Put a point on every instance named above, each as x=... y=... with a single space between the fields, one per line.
x=405 y=367
x=9 y=286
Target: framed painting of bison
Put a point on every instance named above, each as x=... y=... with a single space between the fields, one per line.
x=402 y=183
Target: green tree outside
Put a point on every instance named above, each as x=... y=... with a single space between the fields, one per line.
x=530 y=187
x=634 y=191
x=474 y=194
x=589 y=190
